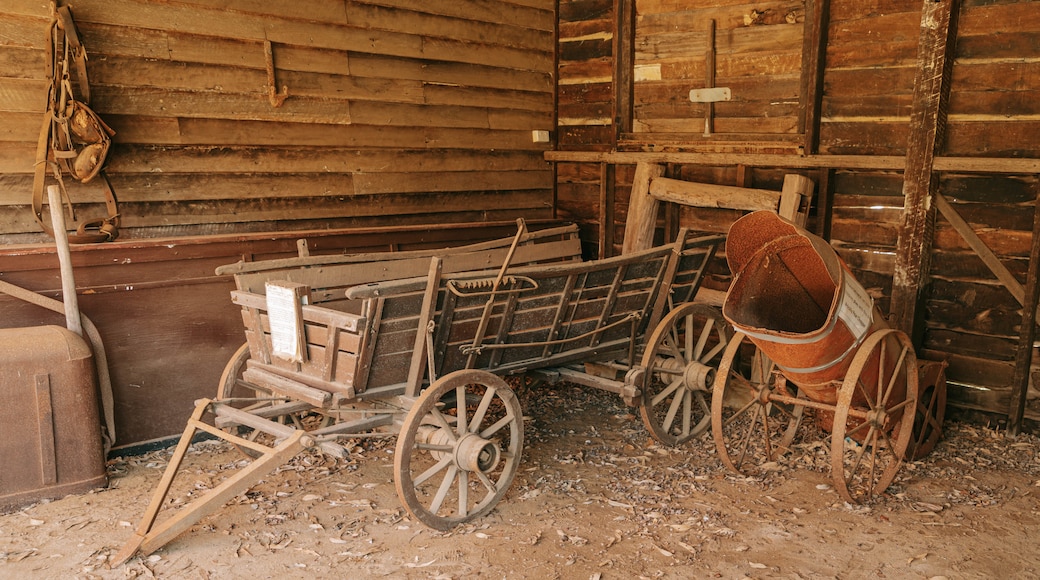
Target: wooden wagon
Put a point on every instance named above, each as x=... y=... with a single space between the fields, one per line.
x=417 y=345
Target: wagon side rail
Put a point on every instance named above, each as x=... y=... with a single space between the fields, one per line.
x=692 y=256
x=547 y=316
x=329 y=276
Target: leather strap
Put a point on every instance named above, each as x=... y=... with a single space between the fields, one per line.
x=79 y=54
x=55 y=148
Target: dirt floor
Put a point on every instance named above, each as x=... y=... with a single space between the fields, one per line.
x=595 y=498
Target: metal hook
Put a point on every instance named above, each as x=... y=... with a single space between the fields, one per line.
x=276 y=98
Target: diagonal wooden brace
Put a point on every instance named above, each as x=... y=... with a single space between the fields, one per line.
x=148 y=537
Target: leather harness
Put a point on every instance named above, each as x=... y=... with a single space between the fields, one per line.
x=73 y=139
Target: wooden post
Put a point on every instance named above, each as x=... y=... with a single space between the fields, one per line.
x=671 y=210
x=920 y=182
x=642 y=209
x=824 y=203
x=795 y=198
x=1027 y=334
x=606 y=210
x=709 y=78
x=68 y=280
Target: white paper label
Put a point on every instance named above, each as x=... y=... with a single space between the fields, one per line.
x=856 y=308
x=284 y=314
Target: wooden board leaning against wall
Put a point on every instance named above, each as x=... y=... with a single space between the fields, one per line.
x=272 y=116
x=866 y=65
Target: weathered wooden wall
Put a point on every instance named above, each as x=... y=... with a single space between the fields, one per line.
x=398 y=111
x=870 y=58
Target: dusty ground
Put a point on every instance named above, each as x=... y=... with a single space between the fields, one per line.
x=595 y=498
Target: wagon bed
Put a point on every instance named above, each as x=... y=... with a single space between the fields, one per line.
x=542 y=316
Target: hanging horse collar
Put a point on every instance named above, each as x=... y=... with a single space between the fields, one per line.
x=73 y=138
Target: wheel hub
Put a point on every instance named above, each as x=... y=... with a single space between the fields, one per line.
x=695 y=375
x=474 y=453
x=763 y=394
x=877 y=418
x=470 y=452
x=698 y=376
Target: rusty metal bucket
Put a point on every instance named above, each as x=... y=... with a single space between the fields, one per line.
x=797 y=301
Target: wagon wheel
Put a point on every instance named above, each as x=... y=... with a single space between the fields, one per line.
x=454 y=463
x=745 y=421
x=233 y=386
x=680 y=363
x=867 y=452
x=928 y=419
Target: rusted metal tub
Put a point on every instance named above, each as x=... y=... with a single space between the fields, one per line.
x=810 y=337
x=797 y=301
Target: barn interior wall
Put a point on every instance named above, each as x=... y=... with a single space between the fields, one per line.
x=400 y=112
x=405 y=117
x=870 y=58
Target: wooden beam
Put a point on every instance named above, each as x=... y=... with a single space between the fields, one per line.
x=1006 y=165
x=814 y=50
x=795 y=198
x=987 y=256
x=920 y=181
x=642 y=209
x=711 y=195
x=1024 y=354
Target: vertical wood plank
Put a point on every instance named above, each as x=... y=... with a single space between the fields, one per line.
x=642 y=209
x=795 y=198
x=373 y=309
x=624 y=66
x=671 y=210
x=814 y=62
x=420 y=352
x=45 y=424
x=744 y=174
x=927 y=128
x=824 y=203
x=1024 y=354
